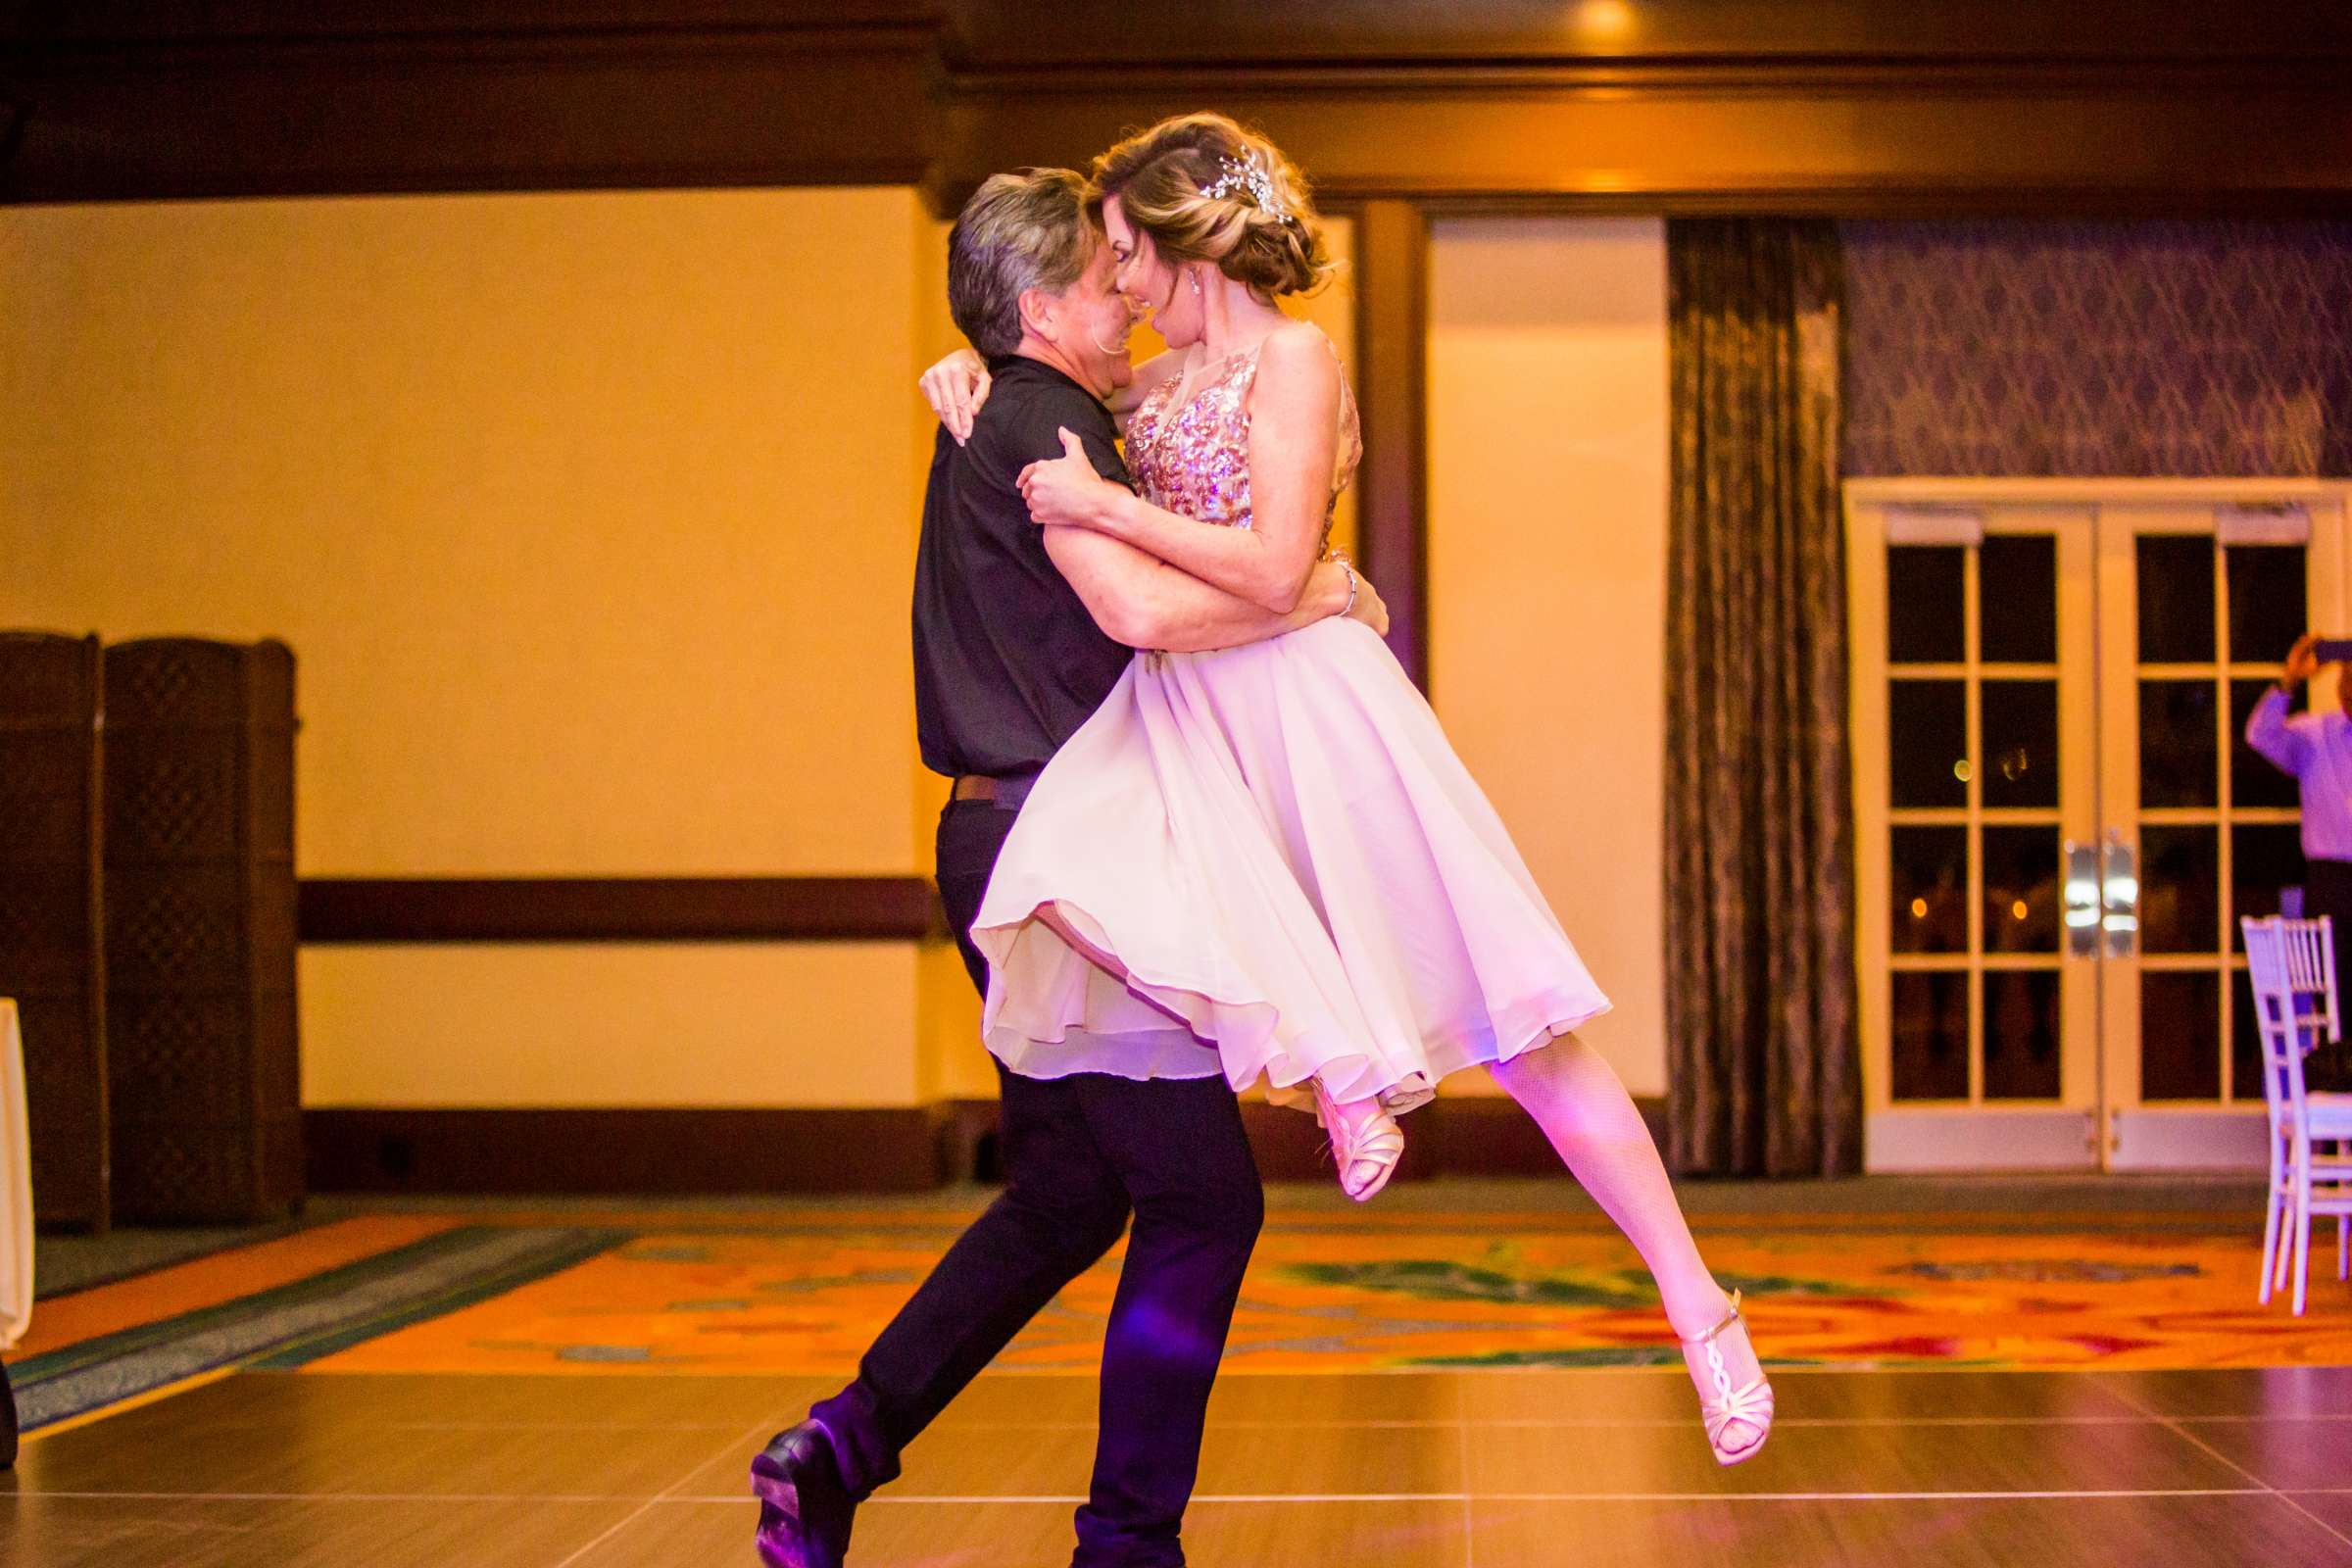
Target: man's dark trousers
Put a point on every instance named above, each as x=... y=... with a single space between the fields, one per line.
x=1079 y=1153
x=2327 y=889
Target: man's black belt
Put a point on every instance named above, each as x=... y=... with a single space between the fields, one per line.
x=1004 y=794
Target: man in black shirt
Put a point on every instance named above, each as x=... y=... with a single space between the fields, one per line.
x=1019 y=634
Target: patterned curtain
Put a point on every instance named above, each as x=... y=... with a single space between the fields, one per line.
x=1763 y=1068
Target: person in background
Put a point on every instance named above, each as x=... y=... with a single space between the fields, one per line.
x=2315 y=749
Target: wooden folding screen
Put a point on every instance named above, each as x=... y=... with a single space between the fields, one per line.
x=199 y=900
x=52 y=959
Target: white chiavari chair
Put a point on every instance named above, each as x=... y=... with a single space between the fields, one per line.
x=16 y=1216
x=16 y=1185
x=2291 y=966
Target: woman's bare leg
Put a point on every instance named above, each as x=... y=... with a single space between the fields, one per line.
x=1577 y=1098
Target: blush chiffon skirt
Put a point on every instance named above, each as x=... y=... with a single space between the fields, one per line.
x=1295 y=874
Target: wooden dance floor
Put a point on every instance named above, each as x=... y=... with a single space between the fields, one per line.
x=1505 y=1468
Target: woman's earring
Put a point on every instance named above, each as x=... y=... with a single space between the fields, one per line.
x=1196 y=277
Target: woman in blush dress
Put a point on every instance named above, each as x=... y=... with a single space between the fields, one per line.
x=1273 y=849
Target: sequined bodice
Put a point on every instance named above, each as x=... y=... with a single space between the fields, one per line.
x=1193 y=457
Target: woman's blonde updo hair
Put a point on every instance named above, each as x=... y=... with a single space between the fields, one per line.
x=1207 y=190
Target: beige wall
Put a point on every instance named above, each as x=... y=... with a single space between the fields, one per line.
x=950 y=1062
x=693 y=1024
x=1548 y=570
x=581 y=512
x=589 y=517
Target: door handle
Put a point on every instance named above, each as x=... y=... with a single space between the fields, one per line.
x=2082 y=900
x=2118 y=895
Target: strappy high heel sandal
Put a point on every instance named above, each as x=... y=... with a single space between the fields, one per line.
x=1379 y=1142
x=1722 y=1405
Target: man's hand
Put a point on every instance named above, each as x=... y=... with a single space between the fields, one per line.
x=955 y=387
x=1066 y=492
x=2302 y=661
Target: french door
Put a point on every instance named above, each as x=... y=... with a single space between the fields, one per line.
x=2058 y=821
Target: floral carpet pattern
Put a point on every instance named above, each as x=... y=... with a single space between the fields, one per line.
x=801 y=1291
x=1432 y=1291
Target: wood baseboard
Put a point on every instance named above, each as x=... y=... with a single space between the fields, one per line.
x=635 y=1150
x=685 y=1151
x=1458 y=1136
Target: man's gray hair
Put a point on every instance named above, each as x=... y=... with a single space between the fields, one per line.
x=1020 y=232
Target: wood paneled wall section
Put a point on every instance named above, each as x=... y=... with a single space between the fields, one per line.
x=52 y=912
x=203 y=1067
x=1841 y=105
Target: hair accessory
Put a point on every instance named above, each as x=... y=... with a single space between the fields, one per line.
x=1247 y=174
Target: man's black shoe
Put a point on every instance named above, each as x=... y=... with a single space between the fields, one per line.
x=804 y=1510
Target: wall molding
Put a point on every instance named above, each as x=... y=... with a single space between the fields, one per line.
x=1950 y=106
x=257 y=105
x=631 y=1149
x=1480 y=1136
x=684 y=1150
x=538 y=910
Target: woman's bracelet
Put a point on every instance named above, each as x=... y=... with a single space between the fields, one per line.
x=1346 y=566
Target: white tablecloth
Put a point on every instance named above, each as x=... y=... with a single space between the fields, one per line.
x=16 y=1185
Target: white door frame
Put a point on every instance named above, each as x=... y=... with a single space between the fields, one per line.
x=2097 y=1121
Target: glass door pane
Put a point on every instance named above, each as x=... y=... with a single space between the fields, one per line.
x=1976 y=773
x=2058 y=823
x=2200 y=829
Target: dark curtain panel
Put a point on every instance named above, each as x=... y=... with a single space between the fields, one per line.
x=1763 y=1067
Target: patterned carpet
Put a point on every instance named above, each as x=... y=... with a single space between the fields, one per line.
x=785 y=1291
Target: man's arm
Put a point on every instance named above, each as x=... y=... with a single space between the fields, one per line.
x=2269 y=730
x=1294 y=437
x=957 y=385
x=1144 y=603
x=2272 y=733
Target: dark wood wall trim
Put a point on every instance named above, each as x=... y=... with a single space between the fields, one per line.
x=777 y=908
x=1850 y=107
x=1458 y=1136
x=625 y=1151
x=53 y=915
x=1391 y=303
x=684 y=1149
x=1893 y=145
x=1744 y=34
x=534 y=109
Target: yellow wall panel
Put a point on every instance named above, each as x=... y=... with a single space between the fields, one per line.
x=589 y=516
x=591 y=520
x=953 y=1064
x=610 y=1025
x=1547 y=574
